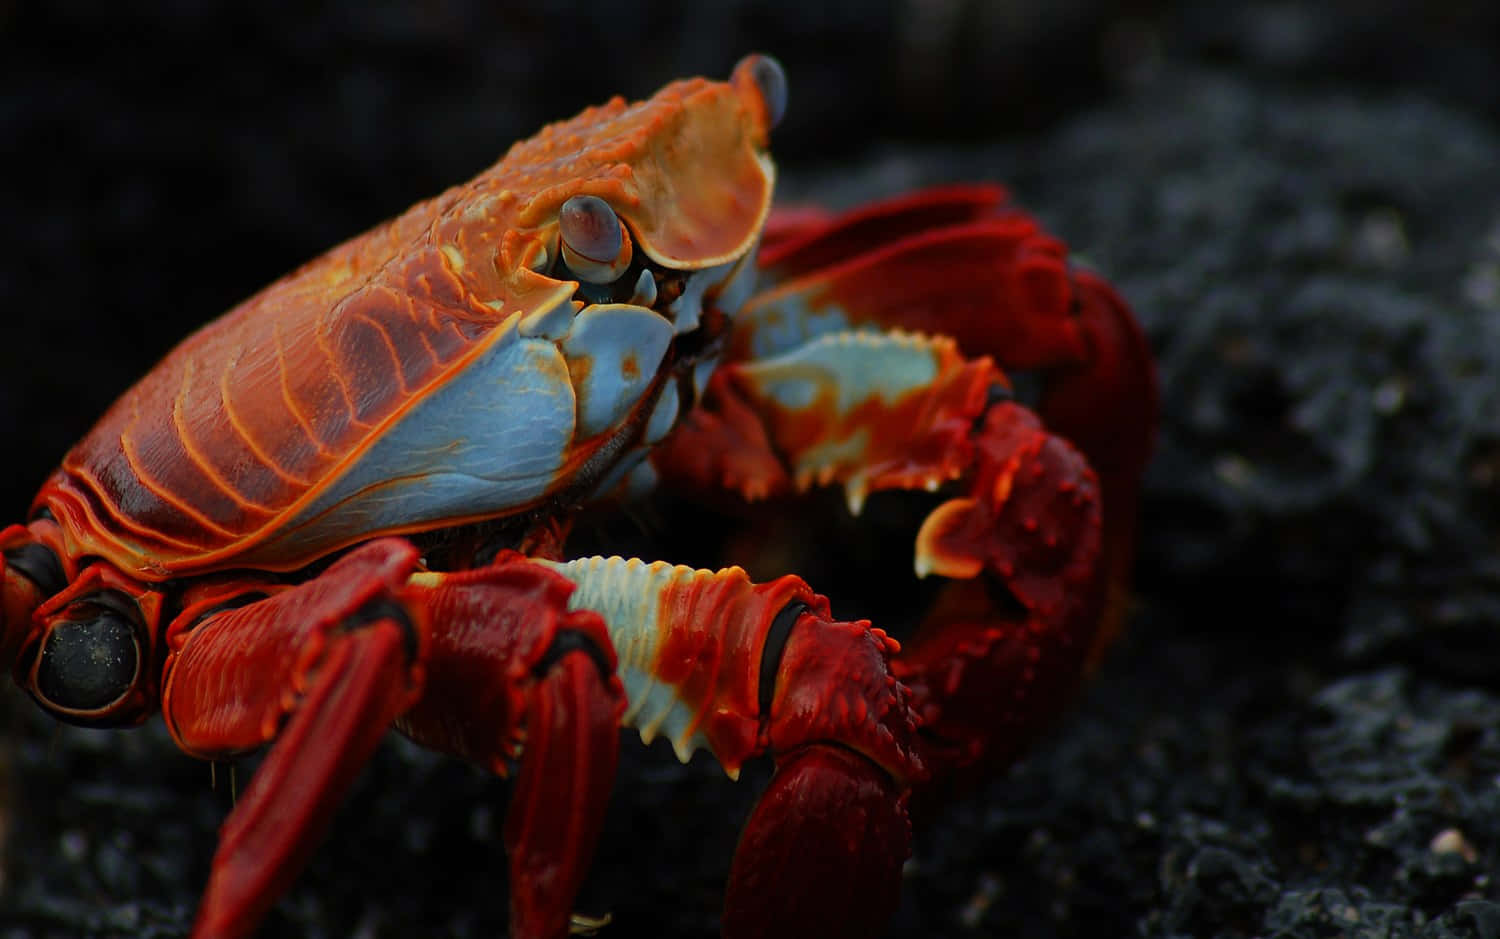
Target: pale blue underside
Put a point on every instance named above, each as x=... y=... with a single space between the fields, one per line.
x=603 y=339
x=779 y=325
x=492 y=438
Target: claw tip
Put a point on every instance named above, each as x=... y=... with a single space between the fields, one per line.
x=854 y=495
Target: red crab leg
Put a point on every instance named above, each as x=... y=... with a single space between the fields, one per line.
x=1008 y=638
x=323 y=668
x=713 y=660
x=959 y=261
x=801 y=239
x=511 y=663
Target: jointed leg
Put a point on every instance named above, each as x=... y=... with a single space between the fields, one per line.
x=713 y=660
x=322 y=669
x=511 y=664
x=475 y=662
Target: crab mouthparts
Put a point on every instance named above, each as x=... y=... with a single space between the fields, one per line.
x=680 y=296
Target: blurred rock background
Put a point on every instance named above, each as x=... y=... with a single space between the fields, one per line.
x=1298 y=737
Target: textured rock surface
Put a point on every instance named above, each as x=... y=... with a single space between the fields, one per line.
x=1298 y=737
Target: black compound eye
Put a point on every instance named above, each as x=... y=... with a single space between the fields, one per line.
x=88 y=661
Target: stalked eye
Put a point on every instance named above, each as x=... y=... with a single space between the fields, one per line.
x=769 y=79
x=595 y=246
x=89 y=661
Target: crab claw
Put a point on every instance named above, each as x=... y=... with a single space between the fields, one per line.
x=822 y=852
x=1008 y=639
x=1031 y=518
x=961 y=261
x=821 y=855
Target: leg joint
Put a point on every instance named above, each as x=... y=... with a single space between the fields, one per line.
x=774 y=649
x=386 y=609
x=573 y=640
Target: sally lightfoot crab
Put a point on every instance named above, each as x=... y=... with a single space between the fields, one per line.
x=343 y=507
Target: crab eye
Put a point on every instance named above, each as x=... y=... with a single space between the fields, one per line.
x=89 y=662
x=769 y=79
x=595 y=245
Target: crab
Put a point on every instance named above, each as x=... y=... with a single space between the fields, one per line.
x=343 y=507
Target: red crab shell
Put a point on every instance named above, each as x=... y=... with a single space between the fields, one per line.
x=218 y=457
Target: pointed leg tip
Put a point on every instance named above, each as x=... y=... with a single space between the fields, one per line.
x=557 y=807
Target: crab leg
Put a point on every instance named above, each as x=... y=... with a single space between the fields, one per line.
x=713 y=660
x=959 y=261
x=1009 y=635
x=800 y=239
x=320 y=670
x=513 y=672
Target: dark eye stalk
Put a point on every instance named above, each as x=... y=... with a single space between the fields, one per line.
x=589 y=233
x=595 y=246
x=769 y=79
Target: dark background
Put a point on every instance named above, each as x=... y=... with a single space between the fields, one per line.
x=1301 y=200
